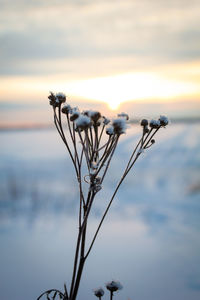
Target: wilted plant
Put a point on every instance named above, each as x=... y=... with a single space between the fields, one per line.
x=91 y=140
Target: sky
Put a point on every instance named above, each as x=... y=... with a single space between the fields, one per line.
x=101 y=52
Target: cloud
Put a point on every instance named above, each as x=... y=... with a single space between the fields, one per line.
x=149 y=32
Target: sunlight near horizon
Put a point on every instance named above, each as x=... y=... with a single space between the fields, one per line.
x=112 y=90
x=117 y=89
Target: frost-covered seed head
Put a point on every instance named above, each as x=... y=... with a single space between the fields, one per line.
x=105 y=121
x=83 y=122
x=144 y=122
x=119 y=125
x=94 y=115
x=66 y=109
x=123 y=115
x=60 y=98
x=110 y=130
x=114 y=286
x=163 y=121
x=52 y=100
x=154 y=124
x=99 y=292
x=74 y=114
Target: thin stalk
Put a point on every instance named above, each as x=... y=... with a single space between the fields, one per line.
x=106 y=211
x=85 y=151
x=111 y=295
x=100 y=136
x=108 y=163
x=109 y=151
x=151 y=137
x=63 y=137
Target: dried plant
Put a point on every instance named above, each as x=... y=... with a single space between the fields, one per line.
x=91 y=140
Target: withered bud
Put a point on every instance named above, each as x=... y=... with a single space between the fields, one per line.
x=154 y=124
x=144 y=122
x=95 y=116
x=52 y=100
x=60 y=98
x=66 y=109
x=74 y=116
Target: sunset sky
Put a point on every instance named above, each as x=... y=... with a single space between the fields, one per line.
x=109 y=51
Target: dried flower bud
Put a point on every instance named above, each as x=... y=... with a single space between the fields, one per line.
x=119 y=125
x=123 y=115
x=99 y=292
x=163 y=121
x=66 y=109
x=154 y=124
x=114 y=286
x=94 y=115
x=52 y=100
x=144 y=122
x=60 y=98
x=110 y=130
x=74 y=114
x=105 y=121
x=83 y=122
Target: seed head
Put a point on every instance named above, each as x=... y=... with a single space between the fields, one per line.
x=66 y=109
x=74 y=114
x=144 y=122
x=99 y=292
x=83 y=122
x=163 y=121
x=52 y=100
x=110 y=130
x=105 y=121
x=119 y=125
x=114 y=286
x=154 y=124
x=94 y=115
x=123 y=115
x=60 y=98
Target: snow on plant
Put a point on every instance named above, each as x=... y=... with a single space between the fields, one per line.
x=91 y=140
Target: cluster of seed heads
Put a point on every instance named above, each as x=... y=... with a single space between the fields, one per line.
x=91 y=140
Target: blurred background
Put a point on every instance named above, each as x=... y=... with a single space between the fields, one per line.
x=141 y=57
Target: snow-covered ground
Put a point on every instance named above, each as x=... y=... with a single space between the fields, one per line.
x=149 y=241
